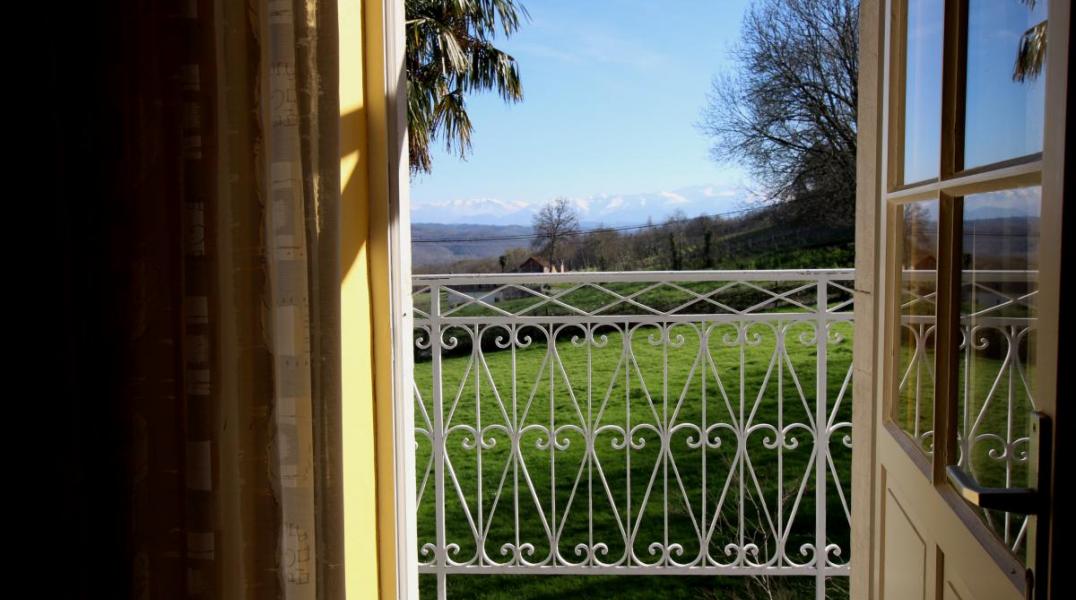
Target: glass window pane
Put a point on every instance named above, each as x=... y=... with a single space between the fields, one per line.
x=918 y=247
x=922 y=90
x=1004 y=104
x=999 y=284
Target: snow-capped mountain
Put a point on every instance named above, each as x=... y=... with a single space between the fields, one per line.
x=606 y=209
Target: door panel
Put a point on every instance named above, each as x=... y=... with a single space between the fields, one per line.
x=953 y=587
x=928 y=541
x=951 y=593
x=905 y=567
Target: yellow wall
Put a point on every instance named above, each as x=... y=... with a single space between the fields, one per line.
x=357 y=414
x=369 y=519
x=379 y=172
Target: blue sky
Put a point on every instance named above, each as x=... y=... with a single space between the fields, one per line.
x=1003 y=117
x=613 y=89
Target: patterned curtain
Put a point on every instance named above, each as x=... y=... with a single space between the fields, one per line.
x=200 y=191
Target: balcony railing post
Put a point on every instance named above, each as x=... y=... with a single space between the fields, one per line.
x=821 y=438
x=441 y=560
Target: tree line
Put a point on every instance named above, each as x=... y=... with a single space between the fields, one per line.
x=767 y=238
x=682 y=243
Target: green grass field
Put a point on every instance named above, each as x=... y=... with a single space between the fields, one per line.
x=777 y=391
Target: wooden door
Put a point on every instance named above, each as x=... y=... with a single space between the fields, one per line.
x=962 y=281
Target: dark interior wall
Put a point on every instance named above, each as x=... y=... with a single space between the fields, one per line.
x=106 y=301
x=87 y=448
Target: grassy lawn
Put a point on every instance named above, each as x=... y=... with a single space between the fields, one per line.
x=530 y=386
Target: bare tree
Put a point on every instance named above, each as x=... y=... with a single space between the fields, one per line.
x=557 y=220
x=789 y=112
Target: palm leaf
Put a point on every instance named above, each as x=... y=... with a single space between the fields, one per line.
x=1031 y=53
x=450 y=53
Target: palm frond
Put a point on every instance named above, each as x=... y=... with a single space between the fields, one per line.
x=450 y=53
x=452 y=121
x=1031 y=53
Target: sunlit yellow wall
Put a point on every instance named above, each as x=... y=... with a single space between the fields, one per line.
x=357 y=412
x=369 y=519
x=377 y=121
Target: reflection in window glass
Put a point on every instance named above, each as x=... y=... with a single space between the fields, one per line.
x=918 y=247
x=922 y=90
x=1005 y=100
x=999 y=284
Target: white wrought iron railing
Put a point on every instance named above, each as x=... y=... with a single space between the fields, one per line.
x=681 y=423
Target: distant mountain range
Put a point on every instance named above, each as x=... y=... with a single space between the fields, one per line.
x=441 y=253
x=604 y=209
x=1020 y=203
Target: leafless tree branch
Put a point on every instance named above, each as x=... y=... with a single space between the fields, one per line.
x=789 y=111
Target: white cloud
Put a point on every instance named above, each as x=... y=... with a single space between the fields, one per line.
x=712 y=192
x=1019 y=202
x=673 y=198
